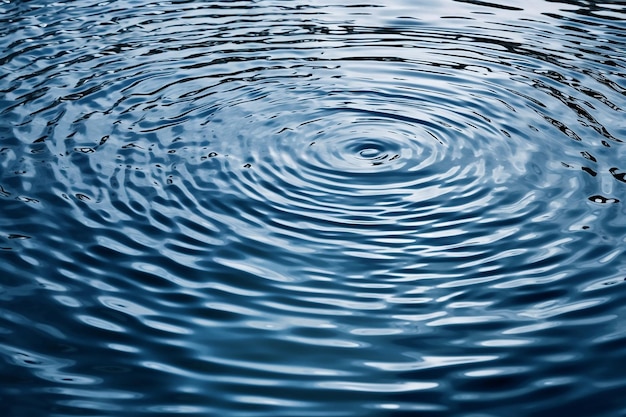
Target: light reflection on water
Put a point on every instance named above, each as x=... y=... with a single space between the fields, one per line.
x=277 y=208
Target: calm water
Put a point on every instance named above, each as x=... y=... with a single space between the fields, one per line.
x=297 y=208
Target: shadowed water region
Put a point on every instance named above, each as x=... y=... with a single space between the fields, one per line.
x=290 y=208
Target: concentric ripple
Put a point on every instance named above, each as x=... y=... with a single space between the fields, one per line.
x=280 y=208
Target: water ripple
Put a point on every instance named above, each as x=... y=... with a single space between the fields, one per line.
x=277 y=208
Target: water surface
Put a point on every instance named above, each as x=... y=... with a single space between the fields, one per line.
x=288 y=208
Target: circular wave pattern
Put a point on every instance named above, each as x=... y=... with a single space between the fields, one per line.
x=275 y=208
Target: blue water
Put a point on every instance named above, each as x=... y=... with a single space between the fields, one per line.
x=289 y=208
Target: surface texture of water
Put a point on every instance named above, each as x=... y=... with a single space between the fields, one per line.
x=290 y=208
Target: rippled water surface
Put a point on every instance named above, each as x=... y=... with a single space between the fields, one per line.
x=289 y=208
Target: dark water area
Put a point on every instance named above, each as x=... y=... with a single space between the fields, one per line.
x=289 y=208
